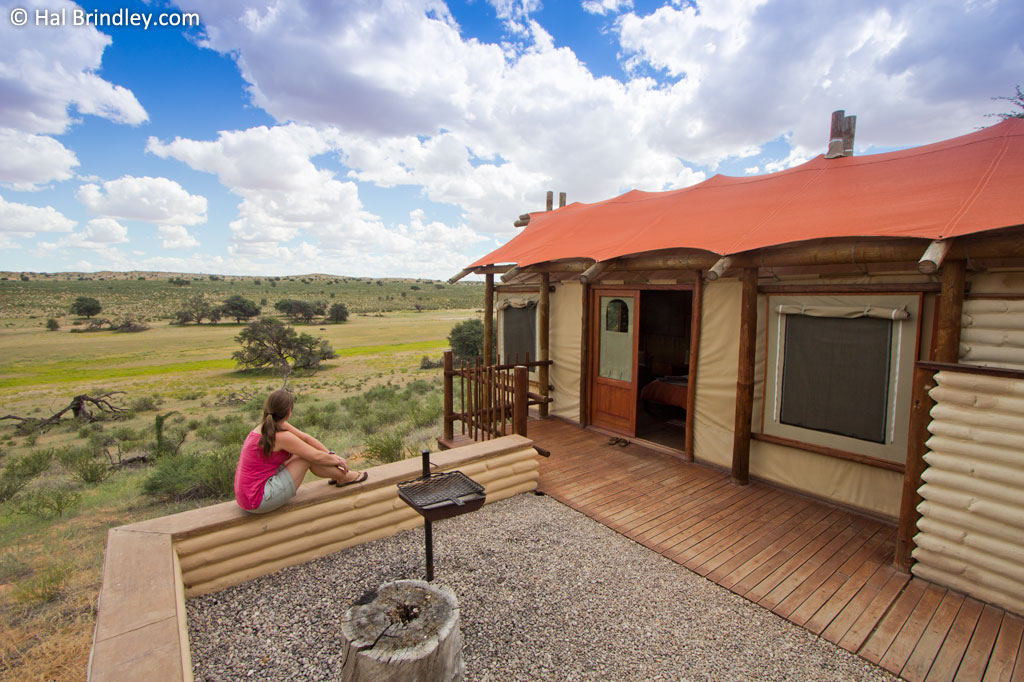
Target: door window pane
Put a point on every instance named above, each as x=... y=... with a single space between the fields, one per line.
x=615 y=354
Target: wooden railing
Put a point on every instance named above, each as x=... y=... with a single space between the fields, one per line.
x=493 y=400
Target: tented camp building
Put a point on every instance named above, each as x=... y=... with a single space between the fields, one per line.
x=851 y=328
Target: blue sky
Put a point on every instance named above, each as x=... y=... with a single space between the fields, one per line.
x=403 y=138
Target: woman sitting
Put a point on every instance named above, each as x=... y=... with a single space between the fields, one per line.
x=276 y=456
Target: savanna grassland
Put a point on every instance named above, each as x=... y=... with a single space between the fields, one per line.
x=183 y=408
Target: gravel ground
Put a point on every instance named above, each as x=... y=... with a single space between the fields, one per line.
x=544 y=592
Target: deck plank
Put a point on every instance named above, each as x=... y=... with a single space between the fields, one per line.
x=921 y=659
x=979 y=650
x=815 y=564
x=947 y=661
x=1004 y=654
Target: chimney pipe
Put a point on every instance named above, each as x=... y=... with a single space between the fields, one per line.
x=840 y=139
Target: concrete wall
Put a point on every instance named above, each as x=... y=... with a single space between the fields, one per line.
x=151 y=567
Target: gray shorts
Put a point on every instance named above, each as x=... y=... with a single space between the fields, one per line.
x=278 y=489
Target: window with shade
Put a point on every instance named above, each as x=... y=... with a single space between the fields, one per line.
x=839 y=371
x=518 y=330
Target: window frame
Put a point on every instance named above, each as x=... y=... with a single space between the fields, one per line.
x=501 y=332
x=904 y=351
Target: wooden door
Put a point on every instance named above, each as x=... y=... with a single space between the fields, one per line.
x=614 y=360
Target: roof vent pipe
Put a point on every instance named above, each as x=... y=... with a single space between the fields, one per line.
x=840 y=139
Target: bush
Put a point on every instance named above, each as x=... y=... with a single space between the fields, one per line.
x=427 y=363
x=467 y=339
x=230 y=432
x=386 y=447
x=194 y=476
x=52 y=324
x=46 y=503
x=83 y=464
x=146 y=403
x=19 y=472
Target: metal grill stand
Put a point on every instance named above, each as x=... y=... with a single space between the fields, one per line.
x=440 y=496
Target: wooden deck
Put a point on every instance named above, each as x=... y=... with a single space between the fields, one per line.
x=821 y=567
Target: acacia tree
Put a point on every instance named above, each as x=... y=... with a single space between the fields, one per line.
x=86 y=306
x=240 y=308
x=338 y=312
x=270 y=343
x=467 y=339
x=1017 y=101
x=197 y=308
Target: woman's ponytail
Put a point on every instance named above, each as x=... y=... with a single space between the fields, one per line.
x=277 y=408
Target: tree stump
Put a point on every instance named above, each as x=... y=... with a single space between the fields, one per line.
x=408 y=632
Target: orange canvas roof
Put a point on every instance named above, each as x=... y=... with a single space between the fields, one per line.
x=961 y=186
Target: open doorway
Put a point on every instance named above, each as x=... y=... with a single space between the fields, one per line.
x=663 y=372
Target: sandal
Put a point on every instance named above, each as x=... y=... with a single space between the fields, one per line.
x=362 y=477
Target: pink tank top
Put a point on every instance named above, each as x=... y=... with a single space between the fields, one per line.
x=254 y=469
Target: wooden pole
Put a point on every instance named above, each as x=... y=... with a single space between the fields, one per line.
x=920 y=406
x=594 y=271
x=561 y=199
x=550 y=203
x=934 y=255
x=951 y=308
x=585 y=357
x=719 y=268
x=520 y=400
x=543 y=341
x=462 y=273
x=745 y=378
x=449 y=419
x=947 y=349
x=696 y=312
x=489 y=319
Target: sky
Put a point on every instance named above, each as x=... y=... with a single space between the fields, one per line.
x=403 y=138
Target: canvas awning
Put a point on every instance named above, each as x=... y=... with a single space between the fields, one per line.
x=969 y=184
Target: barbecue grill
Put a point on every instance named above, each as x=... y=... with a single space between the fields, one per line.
x=440 y=496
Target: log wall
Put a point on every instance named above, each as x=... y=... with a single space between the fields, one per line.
x=971 y=532
x=992 y=333
x=151 y=567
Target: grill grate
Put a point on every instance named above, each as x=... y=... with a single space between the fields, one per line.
x=440 y=490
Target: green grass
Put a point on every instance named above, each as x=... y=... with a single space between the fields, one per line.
x=69 y=372
x=372 y=397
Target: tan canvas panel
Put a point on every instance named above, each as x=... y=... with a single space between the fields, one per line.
x=716 y=372
x=852 y=483
x=566 y=328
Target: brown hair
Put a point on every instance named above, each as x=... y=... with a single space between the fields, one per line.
x=278 y=406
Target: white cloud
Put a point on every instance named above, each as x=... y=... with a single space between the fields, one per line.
x=47 y=71
x=284 y=195
x=22 y=220
x=98 y=234
x=603 y=7
x=404 y=98
x=32 y=160
x=913 y=72
x=154 y=200
x=176 y=237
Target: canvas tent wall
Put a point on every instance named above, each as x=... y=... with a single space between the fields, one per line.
x=809 y=236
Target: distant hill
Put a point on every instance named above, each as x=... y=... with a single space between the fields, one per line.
x=154 y=296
